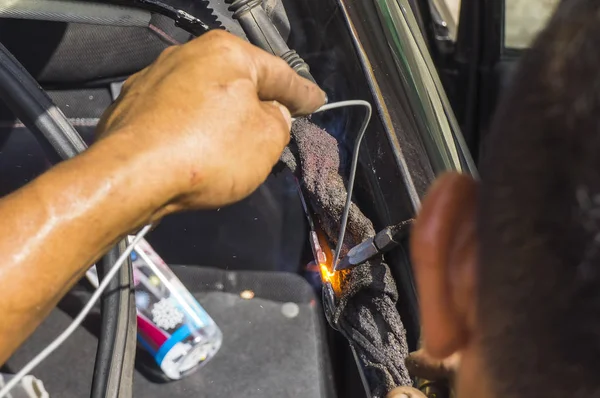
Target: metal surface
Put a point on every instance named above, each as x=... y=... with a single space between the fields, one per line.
x=313 y=238
x=358 y=255
x=386 y=114
x=439 y=130
x=384 y=241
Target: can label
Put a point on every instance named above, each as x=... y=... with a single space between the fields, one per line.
x=172 y=326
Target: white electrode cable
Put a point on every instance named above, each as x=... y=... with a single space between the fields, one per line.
x=80 y=317
x=353 y=166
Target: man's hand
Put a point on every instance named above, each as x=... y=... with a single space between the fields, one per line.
x=214 y=114
x=405 y=392
x=424 y=366
x=199 y=128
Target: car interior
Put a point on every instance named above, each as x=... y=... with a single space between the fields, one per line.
x=259 y=245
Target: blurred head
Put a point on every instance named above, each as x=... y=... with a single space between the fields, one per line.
x=508 y=270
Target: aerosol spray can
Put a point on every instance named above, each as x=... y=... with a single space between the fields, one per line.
x=172 y=326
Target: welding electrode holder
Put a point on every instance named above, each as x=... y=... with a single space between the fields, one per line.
x=383 y=241
x=261 y=32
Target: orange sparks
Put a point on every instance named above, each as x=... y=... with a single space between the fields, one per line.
x=326 y=275
x=326 y=268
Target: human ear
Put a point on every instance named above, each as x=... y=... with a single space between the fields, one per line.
x=444 y=258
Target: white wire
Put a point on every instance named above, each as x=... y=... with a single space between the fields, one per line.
x=353 y=166
x=77 y=321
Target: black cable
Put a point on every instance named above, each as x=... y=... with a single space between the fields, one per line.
x=60 y=141
x=23 y=95
x=181 y=18
x=112 y=377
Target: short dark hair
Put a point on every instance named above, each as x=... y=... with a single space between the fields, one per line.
x=539 y=217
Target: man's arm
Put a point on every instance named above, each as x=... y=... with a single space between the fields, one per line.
x=200 y=128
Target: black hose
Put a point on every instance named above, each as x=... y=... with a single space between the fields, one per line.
x=28 y=101
x=113 y=376
x=60 y=141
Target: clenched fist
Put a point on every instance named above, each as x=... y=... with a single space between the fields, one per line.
x=213 y=115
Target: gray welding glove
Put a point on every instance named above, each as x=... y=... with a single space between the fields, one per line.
x=366 y=311
x=366 y=315
x=313 y=156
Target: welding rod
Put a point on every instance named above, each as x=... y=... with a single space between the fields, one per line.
x=382 y=242
x=262 y=33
